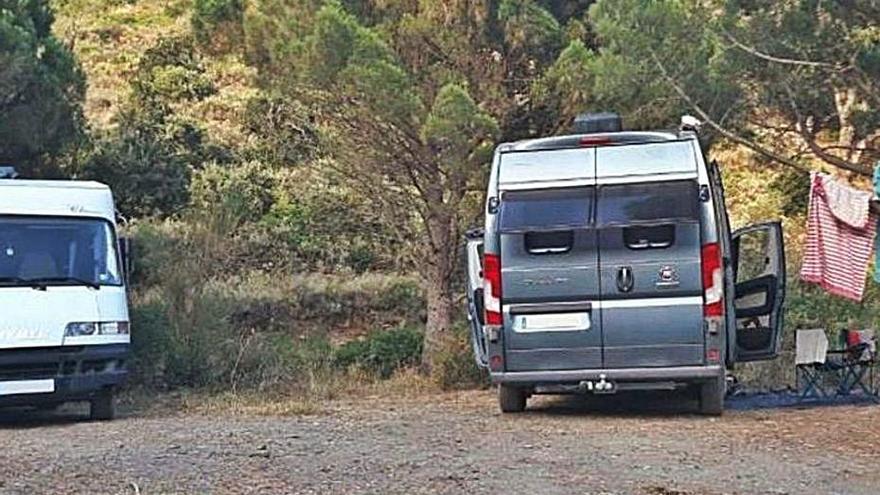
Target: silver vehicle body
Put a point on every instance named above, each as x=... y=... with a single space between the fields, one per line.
x=602 y=243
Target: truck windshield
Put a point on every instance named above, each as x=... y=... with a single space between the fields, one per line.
x=57 y=251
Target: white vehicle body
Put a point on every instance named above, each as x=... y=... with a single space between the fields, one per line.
x=64 y=331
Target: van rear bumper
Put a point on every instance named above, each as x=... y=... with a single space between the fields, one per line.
x=674 y=374
x=77 y=372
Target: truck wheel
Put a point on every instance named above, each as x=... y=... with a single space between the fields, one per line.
x=103 y=406
x=511 y=399
x=712 y=396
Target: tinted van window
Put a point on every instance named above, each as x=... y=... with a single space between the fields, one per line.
x=545 y=209
x=628 y=203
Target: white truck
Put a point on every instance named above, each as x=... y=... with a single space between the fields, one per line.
x=64 y=325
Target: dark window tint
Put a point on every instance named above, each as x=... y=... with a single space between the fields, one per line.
x=550 y=208
x=627 y=203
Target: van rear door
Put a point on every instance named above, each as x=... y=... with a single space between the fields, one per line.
x=476 y=309
x=649 y=255
x=759 y=271
x=549 y=260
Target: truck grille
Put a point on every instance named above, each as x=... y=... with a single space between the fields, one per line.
x=43 y=363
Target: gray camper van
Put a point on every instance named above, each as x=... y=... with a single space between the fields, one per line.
x=607 y=263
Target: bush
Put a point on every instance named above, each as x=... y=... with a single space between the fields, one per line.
x=149 y=343
x=454 y=365
x=383 y=352
x=247 y=188
x=148 y=177
x=217 y=24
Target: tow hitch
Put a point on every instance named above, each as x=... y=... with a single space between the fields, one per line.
x=598 y=387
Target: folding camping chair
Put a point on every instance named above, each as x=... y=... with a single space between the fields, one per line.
x=859 y=364
x=811 y=366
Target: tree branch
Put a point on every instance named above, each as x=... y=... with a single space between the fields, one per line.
x=779 y=60
x=809 y=137
x=719 y=128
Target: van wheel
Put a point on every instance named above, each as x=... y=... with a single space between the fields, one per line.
x=712 y=396
x=103 y=406
x=511 y=399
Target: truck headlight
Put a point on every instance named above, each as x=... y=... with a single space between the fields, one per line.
x=80 y=329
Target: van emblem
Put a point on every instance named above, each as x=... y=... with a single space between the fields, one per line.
x=668 y=277
x=544 y=281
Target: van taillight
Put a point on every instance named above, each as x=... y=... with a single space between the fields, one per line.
x=713 y=281
x=492 y=288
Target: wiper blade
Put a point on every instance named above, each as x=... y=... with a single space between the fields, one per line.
x=42 y=281
x=21 y=282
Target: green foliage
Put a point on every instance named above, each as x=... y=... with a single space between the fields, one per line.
x=383 y=352
x=794 y=186
x=284 y=132
x=247 y=188
x=792 y=71
x=147 y=175
x=454 y=366
x=530 y=32
x=217 y=24
x=170 y=72
x=328 y=227
x=41 y=89
x=149 y=158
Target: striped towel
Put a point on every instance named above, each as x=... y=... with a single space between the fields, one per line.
x=840 y=237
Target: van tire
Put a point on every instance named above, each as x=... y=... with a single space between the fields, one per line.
x=102 y=407
x=711 y=396
x=511 y=399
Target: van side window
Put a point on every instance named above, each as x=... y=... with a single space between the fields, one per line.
x=546 y=209
x=648 y=203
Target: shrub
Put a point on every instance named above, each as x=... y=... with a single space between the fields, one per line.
x=149 y=342
x=247 y=188
x=383 y=352
x=217 y=24
x=454 y=365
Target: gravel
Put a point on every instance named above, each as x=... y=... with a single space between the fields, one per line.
x=451 y=443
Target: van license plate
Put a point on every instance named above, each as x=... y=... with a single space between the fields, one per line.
x=27 y=387
x=554 y=322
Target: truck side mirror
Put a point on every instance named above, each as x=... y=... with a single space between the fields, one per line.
x=126 y=251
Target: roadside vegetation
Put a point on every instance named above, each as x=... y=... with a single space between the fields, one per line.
x=297 y=175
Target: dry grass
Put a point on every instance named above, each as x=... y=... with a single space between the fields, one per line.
x=321 y=396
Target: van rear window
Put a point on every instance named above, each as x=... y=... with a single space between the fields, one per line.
x=629 y=203
x=546 y=209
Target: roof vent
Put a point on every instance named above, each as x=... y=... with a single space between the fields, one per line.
x=588 y=123
x=8 y=172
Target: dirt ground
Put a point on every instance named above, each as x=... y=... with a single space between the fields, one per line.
x=451 y=443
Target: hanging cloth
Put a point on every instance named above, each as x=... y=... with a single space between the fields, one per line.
x=840 y=237
x=877 y=248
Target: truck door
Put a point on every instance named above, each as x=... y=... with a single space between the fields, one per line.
x=476 y=313
x=651 y=281
x=724 y=237
x=758 y=259
x=549 y=261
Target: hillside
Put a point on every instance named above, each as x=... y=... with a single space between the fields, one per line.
x=109 y=37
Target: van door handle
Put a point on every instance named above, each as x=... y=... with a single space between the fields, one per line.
x=624 y=279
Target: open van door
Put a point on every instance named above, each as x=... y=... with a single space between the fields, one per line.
x=758 y=259
x=476 y=313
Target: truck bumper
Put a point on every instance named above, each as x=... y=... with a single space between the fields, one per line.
x=73 y=373
x=681 y=374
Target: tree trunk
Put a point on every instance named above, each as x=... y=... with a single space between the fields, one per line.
x=440 y=263
x=440 y=316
